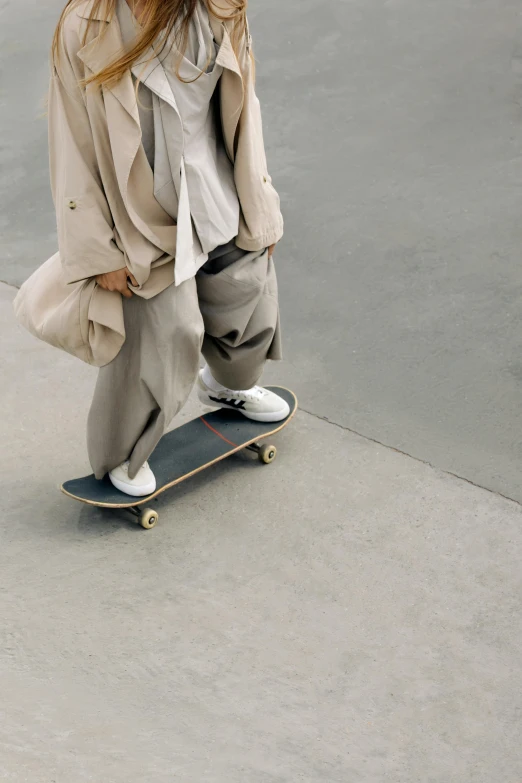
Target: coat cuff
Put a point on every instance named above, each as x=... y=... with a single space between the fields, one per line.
x=271 y=237
x=78 y=270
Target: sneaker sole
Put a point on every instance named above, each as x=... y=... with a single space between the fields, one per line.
x=267 y=418
x=134 y=492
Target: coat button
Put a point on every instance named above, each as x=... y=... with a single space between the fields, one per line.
x=72 y=205
x=265 y=179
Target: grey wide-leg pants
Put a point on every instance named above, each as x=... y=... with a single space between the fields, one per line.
x=229 y=312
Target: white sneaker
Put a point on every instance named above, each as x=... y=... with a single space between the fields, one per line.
x=257 y=403
x=144 y=483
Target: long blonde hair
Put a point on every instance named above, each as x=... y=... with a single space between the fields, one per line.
x=158 y=19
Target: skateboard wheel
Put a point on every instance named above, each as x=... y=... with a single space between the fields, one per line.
x=267 y=454
x=149 y=519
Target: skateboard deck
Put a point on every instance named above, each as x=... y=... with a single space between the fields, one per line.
x=185 y=451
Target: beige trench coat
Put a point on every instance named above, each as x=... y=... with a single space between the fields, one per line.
x=102 y=188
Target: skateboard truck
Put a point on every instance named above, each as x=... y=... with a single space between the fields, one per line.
x=265 y=453
x=148 y=517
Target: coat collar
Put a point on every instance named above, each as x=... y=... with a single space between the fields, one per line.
x=100 y=52
x=106 y=46
x=84 y=11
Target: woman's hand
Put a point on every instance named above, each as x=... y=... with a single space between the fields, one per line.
x=117 y=281
x=271 y=251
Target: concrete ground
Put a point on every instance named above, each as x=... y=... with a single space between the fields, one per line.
x=352 y=612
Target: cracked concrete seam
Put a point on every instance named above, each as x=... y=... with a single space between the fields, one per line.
x=410 y=456
x=10 y=285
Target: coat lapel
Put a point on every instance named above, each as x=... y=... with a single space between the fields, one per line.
x=232 y=88
x=226 y=56
x=99 y=53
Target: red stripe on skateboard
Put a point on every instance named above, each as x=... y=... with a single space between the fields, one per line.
x=218 y=433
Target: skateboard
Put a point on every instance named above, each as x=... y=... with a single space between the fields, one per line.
x=185 y=451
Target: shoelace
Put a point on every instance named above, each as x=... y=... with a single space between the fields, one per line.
x=125 y=465
x=250 y=395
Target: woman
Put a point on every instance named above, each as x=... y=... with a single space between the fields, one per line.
x=159 y=180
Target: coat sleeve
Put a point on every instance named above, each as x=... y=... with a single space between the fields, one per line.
x=261 y=222
x=85 y=226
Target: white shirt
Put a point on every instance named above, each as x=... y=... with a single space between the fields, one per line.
x=181 y=135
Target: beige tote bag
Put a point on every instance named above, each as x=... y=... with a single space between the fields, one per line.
x=80 y=318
